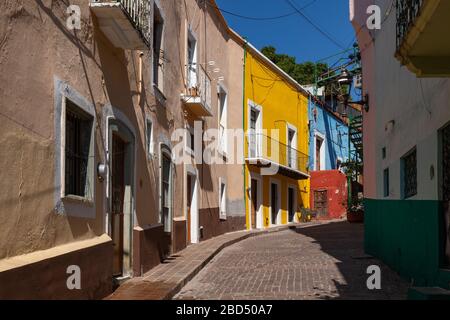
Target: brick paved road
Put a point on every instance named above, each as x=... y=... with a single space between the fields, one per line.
x=317 y=262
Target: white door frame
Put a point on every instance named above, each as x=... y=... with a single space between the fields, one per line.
x=259 y=212
x=278 y=183
x=119 y=124
x=194 y=216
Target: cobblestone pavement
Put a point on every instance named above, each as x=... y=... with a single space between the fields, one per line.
x=317 y=262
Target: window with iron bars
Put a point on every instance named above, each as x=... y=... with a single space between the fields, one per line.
x=78 y=140
x=409 y=164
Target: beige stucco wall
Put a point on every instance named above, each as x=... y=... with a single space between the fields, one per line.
x=37 y=48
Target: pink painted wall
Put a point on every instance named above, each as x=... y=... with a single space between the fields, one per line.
x=358 y=18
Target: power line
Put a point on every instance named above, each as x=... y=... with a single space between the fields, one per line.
x=261 y=18
x=324 y=33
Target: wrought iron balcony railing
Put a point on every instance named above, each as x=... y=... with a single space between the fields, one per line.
x=264 y=150
x=138 y=12
x=198 y=89
x=407 y=13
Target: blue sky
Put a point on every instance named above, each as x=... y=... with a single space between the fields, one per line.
x=292 y=35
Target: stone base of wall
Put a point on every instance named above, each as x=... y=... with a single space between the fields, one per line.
x=213 y=226
x=43 y=275
x=150 y=246
x=179 y=235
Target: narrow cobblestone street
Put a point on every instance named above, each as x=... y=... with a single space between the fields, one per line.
x=317 y=262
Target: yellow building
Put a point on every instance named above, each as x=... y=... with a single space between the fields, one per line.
x=277 y=139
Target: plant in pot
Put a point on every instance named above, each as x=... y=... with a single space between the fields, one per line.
x=355 y=212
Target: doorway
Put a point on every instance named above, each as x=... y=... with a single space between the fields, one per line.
x=254 y=202
x=445 y=195
x=118 y=194
x=121 y=186
x=192 y=217
x=321 y=202
x=275 y=205
x=291 y=204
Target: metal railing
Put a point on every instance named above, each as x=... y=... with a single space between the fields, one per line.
x=261 y=146
x=199 y=83
x=138 y=12
x=407 y=13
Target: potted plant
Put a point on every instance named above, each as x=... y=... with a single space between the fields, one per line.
x=355 y=212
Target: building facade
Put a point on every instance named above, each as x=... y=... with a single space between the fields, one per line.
x=94 y=96
x=406 y=137
x=276 y=143
x=329 y=151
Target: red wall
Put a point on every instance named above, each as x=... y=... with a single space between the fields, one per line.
x=335 y=182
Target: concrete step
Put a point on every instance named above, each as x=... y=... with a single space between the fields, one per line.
x=428 y=293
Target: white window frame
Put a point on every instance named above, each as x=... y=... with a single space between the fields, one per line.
x=222 y=199
x=190 y=34
x=291 y=127
x=165 y=151
x=222 y=119
x=187 y=137
x=321 y=136
x=259 y=125
x=157 y=10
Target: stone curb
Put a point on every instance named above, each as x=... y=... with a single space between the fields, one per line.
x=173 y=288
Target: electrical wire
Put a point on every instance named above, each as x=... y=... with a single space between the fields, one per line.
x=319 y=29
x=261 y=18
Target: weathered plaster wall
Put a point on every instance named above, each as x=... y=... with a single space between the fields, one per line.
x=335 y=183
x=36 y=49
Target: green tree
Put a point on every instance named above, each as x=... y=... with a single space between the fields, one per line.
x=303 y=73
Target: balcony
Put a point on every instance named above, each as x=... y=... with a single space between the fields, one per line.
x=423 y=44
x=197 y=98
x=265 y=152
x=126 y=23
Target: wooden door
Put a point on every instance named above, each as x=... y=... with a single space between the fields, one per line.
x=254 y=199
x=321 y=203
x=118 y=193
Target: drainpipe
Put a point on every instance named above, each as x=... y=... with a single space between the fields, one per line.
x=141 y=55
x=243 y=127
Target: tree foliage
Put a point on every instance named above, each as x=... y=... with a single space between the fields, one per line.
x=303 y=73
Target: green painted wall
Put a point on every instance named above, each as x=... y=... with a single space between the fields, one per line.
x=406 y=235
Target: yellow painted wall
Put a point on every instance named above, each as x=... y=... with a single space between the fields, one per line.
x=281 y=103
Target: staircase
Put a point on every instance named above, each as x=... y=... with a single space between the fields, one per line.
x=356 y=138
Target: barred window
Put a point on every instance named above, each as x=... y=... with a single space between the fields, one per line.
x=409 y=164
x=78 y=141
